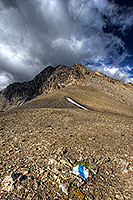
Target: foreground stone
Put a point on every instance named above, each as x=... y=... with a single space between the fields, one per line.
x=56 y=181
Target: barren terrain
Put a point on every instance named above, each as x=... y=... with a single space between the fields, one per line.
x=42 y=140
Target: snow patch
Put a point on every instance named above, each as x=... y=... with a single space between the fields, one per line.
x=75 y=103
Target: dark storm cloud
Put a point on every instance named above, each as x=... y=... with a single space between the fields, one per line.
x=9 y=3
x=36 y=33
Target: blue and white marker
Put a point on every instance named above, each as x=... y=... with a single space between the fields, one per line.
x=81 y=171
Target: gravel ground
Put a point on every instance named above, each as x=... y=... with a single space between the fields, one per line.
x=40 y=145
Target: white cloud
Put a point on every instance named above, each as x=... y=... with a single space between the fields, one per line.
x=114 y=72
x=5 y=78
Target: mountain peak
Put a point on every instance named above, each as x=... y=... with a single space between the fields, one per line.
x=79 y=65
x=54 y=78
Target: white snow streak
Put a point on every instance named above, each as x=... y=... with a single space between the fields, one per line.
x=75 y=103
x=22 y=103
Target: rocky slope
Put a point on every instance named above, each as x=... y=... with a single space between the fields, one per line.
x=62 y=76
x=16 y=93
x=43 y=140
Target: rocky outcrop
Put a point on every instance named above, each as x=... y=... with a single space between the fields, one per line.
x=17 y=93
x=52 y=78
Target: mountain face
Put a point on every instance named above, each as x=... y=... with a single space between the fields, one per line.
x=66 y=134
x=16 y=93
x=54 y=78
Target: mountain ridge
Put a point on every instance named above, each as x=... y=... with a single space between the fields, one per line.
x=53 y=78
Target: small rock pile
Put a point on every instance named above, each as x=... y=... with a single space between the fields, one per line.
x=57 y=181
x=60 y=174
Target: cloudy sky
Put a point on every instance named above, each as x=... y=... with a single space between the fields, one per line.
x=38 y=33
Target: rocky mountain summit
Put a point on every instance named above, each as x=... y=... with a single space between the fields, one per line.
x=66 y=135
x=53 y=78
